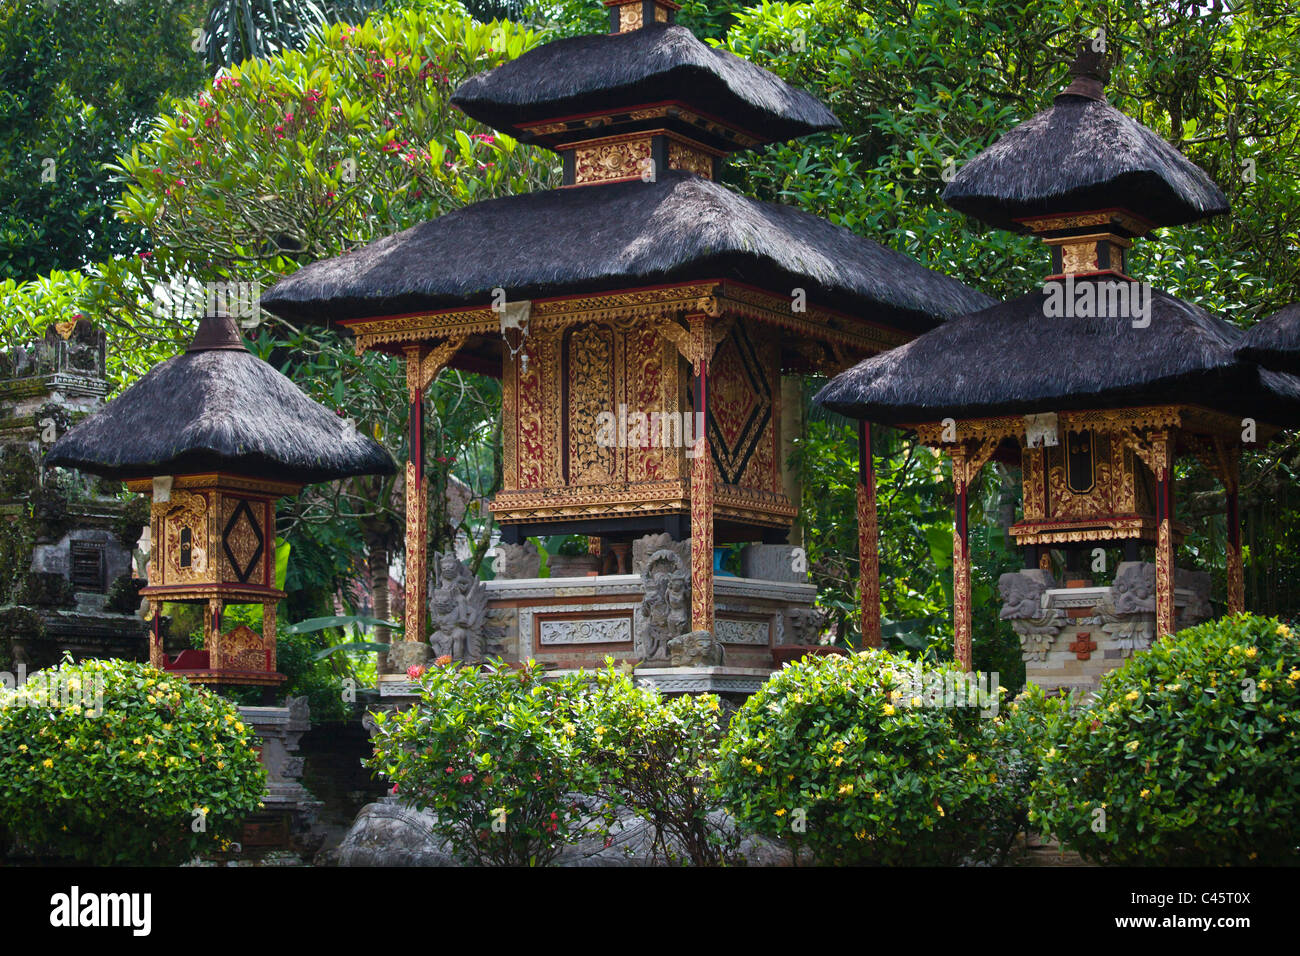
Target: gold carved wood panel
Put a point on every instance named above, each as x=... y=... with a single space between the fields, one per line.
x=743 y=378
x=247 y=541
x=651 y=386
x=186 y=511
x=591 y=385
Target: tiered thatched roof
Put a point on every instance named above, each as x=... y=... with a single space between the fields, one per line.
x=1013 y=359
x=1082 y=155
x=655 y=64
x=217 y=407
x=1275 y=342
x=623 y=235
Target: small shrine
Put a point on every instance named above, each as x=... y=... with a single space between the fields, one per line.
x=215 y=436
x=1092 y=386
x=640 y=318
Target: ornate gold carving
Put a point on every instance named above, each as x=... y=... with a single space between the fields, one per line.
x=630 y=17
x=1035 y=485
x=1078 y=257
x=661 y=14
x=424 y=362
x=869 y=564
x=1084 y=220
x=702 y=512
x=591 y=383
x=417 y=585
x=689 y=158
x=240 y=650
x=268 y=631
x=1164 y=580
x=613 y=160
x=185 y=510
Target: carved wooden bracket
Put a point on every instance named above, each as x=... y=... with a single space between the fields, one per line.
x=424 y=362
x=969 y=457
x=698 y=343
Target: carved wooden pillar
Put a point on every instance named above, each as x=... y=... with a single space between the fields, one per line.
x=268 y=631
x=961 y=611
x=968 y=458
x=417 y=500
x=1162 y=459
x=701 y=481
x=212 y=634
x=868 y=541
x=423 y=363
x=157 y=656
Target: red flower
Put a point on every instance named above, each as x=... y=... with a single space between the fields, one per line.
x=555 y=816
x=414 y=672
x=394 y=790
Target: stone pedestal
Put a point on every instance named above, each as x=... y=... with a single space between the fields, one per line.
x=1071 y=636
x=290 y=809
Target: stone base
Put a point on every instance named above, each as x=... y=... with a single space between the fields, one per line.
x=703 y=680
x=290 y=809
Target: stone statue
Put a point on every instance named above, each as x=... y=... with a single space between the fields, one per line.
x=666 y=608
x=803 y=625
x=1196 y=584
x=517 y=560
x=695 y=649
x=1022 y=604
x=458 y=609
x=645 y=547
x=1134 y=590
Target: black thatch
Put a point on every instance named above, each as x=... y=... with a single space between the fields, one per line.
x=588 y=74
x=1012 y=359
x=1275 y=342
x=1078 y=156
x=218 y=408
x=621 y=235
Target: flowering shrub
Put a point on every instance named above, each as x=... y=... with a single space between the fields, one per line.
x=828 y=754
x=494 y=753
x=655 y=756
x=1188 y=756
x=151 y=771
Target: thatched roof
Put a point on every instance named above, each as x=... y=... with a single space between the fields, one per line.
x=1082 y=155
x=655 y=64
x=1012 y=359
x=217 y=407
x=621 y=235
x=1274 y=342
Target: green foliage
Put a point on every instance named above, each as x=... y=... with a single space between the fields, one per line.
x=833 y=753
x=1189 y=752
x=238 y=30
x=655 y=756
x=77 y=79
x=494 y=754
x=119 y=778
x=1023 y=731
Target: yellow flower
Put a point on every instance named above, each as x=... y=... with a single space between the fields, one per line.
x=23 y=748
x=1144 y=794
x=915 y=702
x=845 y=788
x=838 y=746
x=758 y=768
x=47 y=763
x=221 y=765
x=1251 y=652
x=1131 y=695
x=1283 y=630
x=713 y=704
x=970 y=758
x=1131 y=746
x=938 y=808
x=151 y=698
x=1293 y=676
x=781 y=812
x=889 y=710
x=1050 y=753
x=838 y=761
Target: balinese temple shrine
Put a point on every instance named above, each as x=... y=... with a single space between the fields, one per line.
x=215 y=436
x=1092 y=386
x=642 y=293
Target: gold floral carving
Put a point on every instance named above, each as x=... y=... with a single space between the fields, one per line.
x=630 y=17
x=591 y=382
x=689 y=159
x=612 y=161
x=1035 y=486
x=268 y=630
x=1083 y=220
x=417 y=528
x=1078 y=257
x=184 y=510
x=240 y=650
x=425 y=361
x=869 y=566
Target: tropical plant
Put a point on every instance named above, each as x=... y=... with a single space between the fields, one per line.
x=113 y=762
x=1188 y=754
x=857 y=759
x=494 y=753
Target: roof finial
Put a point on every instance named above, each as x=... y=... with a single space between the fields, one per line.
x=627 y=15
x=216 y=331
x=1088 y=73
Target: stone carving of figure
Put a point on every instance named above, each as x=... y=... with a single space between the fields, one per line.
x=644 y=548
x=1022 y=605
x=666 y=608
x=458 y=608
x=1134 y=589
x=695 y=649
x=515 y=561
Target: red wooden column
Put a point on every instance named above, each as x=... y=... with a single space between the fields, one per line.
x=961 y=610
x=701 y=481
x=417 y=500
x=1162 y=446
x=868 y=541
